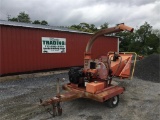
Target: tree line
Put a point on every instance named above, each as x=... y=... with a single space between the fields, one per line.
x=24 y=17
x=144 y=40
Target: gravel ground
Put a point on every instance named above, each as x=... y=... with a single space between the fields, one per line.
x=19 y=101
x=149 y=68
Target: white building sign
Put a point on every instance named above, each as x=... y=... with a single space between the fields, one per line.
x=53 y=45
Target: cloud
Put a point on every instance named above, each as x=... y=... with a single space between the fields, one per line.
x=69 y=12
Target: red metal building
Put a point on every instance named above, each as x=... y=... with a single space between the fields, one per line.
x=21 y=47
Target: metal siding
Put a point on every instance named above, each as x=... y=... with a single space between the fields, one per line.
x=22 y=49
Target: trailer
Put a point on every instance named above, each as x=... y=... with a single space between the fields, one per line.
x=94 y=80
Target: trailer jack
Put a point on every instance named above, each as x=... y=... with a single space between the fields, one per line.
x=55 y=109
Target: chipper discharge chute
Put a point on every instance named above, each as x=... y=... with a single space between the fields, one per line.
x=94 y=80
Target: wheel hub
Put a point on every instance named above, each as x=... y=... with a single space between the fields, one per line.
x=115 y=100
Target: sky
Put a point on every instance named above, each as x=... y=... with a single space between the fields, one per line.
x=133 y=13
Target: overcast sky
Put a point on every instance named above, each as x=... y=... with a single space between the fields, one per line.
x=68 y=12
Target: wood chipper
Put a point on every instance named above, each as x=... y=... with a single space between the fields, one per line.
x=94 y=80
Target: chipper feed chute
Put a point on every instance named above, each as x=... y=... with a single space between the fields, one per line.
x=94 y=81
x=122 y=66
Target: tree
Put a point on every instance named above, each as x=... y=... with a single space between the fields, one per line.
x=22 y=17
x=75 y=27
x=143 y=41
x=93 y=28
x=36 y=22
x=13 y=19
x=103 y=26
x=85 y=27
x=149 y=40
x=153 y=43
x=157 y=33
x=43 y=22
x=126 y=39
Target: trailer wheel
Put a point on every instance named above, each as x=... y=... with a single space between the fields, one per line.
x=113 y=102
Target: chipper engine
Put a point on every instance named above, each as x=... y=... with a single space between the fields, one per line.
x=94 y=80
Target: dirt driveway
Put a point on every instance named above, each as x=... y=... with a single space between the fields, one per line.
x=19 y=101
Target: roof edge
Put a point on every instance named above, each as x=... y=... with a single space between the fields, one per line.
x=45 y=27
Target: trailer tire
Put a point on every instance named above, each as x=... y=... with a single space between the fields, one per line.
x=113 y=102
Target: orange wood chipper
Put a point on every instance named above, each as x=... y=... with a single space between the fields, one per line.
x=94 y=80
